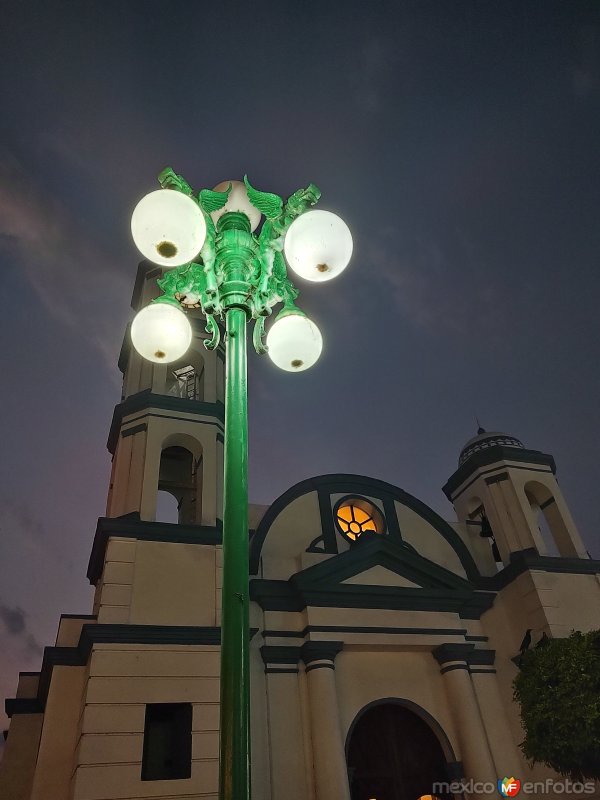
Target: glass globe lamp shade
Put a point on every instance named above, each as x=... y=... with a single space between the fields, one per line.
x=318 y=245
x=161 y=333
x=294 y=342
x=237 y=201
x=168 y=228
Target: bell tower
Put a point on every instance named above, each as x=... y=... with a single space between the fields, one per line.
x=510 y=495
x=167 y=432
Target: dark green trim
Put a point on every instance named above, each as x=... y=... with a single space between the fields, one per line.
x=314 y=651
x=380 y=551
x=132 y=527
x=416 y=631
x=482 y=671
x=143 y=426
x=452 y=667
x=281 y=671
x=469 y=638
x=31 y=674
x=275 y=595
x=146 y=400
x=282 y=596
x=325 y=665
x=77 y=616
x=280 y=654
x=147 y=414
x=357 y=484
x=482 y=658
x=22 y=705
x=483 y=473
x=452 y=652
x=525 y=560
x=220 y=438
x=328 y=531
x=385 y=630
x=391 y=518
x=502 y=476
x=547 y=503
x=437 y=588
x=490 y=455
x=147 y=634
x=114 y=634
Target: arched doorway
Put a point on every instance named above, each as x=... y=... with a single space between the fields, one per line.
x=394 y=754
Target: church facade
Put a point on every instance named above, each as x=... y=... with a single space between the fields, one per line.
x=384 y=639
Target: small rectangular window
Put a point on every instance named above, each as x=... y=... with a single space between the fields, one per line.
x=167 y=742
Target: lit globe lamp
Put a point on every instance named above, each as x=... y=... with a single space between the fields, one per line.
x=294 y=342
x=318 y=245
x=168 y=228
x=161 y=332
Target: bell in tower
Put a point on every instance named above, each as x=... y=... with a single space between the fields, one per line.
x=512 y=493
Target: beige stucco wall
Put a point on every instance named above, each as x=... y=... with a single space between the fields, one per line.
x=59 y=734
x=122 y=679
x=427 y=541
x=17 y=766
x=159 y=583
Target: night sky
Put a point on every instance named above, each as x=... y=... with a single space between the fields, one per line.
x=459 y=141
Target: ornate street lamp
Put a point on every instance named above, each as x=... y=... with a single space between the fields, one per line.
x=217 y=263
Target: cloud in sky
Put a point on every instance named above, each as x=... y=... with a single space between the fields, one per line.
x=15 y=624
x=72 y=274
x=437 y=284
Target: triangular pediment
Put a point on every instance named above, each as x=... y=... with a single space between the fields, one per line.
x=380 y=562
x=404 y=579
x=379 y=576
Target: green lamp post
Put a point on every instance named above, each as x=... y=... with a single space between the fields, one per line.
x=216 y=262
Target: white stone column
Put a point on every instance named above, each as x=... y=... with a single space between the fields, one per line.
x=329 y=758
x=505 y=752
x=472 y=738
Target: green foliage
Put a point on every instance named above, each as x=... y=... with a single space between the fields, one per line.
x=558 y=689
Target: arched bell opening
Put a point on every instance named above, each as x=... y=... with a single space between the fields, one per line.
x=478 y=518
x=548 y=519
x=180 y=476
x=395 y=750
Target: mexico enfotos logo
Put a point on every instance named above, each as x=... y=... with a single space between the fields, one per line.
x=511 y=787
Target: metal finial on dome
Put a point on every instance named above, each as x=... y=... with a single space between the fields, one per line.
x=480 y=428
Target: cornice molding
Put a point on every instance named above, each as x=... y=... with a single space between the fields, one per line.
x=146 y=399
x=132 y=527
x=492 y=455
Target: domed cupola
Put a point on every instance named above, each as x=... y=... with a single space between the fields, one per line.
x=485 y=439
x=501 y=490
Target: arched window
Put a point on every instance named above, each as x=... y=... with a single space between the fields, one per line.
x=356 y=516
x=394 y=754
